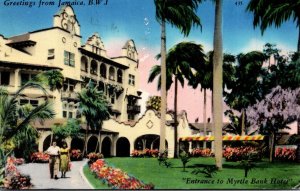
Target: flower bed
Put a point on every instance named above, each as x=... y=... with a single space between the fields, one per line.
x=14 y=179
x=145 y=153
x=197 y=152
x=116 y=178
x=240 y=153
x=75 y=155
x=285 y=154
x=39 y=157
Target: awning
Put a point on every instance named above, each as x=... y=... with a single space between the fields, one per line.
x=225 y=138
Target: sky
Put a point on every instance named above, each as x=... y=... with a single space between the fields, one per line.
x=121 y=20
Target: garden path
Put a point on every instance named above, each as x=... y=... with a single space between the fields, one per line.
x=40 y=178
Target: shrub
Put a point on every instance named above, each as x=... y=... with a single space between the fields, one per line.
x=14 y=179
x=285 y=154
x=145 y=153
x=39 y=157
x=197 y=152
x=94 y=157
x=75 y=155
x=116 y=178
x=241 y=153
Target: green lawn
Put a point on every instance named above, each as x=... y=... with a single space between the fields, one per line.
x=279 y=175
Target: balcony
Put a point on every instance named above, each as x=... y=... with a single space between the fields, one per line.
x=133 y=109
x=71 y=96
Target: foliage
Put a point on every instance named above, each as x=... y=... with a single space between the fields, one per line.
x=116 y=178
x=278 y=109
x=163 y=159
x=54 y=79
x=14 y=179
x=185 y=158
x=197 y=152
x=25 y=142
x=145 y=153
x=76 y=155
x=180 y=14
x=285 y=154
x=208 y=171
x=153 y=102
x=39 y=157
x=267 y=13
x=247 y=165
x=241 y=153
x=95 y=107
x=14 y=120
x=93 y=157
x=70 y=129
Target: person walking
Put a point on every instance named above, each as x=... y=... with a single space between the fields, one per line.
x=53 y=152
x=64 y=160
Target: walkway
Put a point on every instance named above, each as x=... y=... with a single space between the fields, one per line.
x=40 y=178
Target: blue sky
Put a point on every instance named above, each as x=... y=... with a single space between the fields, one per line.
x=124 y=19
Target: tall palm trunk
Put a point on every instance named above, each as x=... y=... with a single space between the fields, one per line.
x=298 y=47
x=85 y=139
x=204 y=116
x=98 y=143
x=243 y=123
x=175 y=120
x=163 y=90
x=217 y=83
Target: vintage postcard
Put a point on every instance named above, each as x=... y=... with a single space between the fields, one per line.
x=149 y=94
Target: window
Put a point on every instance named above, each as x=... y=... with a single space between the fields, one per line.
x=112 y=73
x=69 y=110
x=50 y=54
x=24 y=78
x=4 y=80
x=32 y=102
x=120 y=76
x=103 y=70
x=84 y=64
x=69 y=59
x=131 y=80
x=112 y=99
x=93 y=67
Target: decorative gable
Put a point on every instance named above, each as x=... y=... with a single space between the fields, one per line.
x=129 y=50
x=66 y=19
x=95 y=41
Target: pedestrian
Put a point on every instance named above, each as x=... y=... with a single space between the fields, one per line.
x=53 y=152
x=64 y=160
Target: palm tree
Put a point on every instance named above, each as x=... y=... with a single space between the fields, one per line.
x=95 y=107
x=269 y=12
x=13 y=121
x=181 y=14
x=204 y=78
x=246 y=87
x=54 y=79
x=181 y=58
x=217 y=83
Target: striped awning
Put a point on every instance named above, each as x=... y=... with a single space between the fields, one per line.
x=225 y=138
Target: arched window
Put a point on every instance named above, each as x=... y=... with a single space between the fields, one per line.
x=84 y=64
x=120 y=76
x=103 y=70
x=93 y=67
x=112 y=73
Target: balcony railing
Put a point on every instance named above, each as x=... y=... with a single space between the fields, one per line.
x=69 y=95
x=133 y=108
